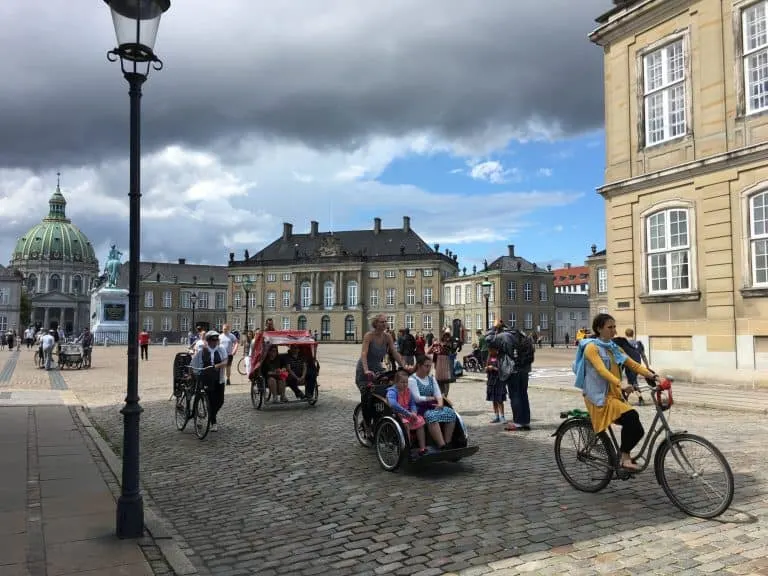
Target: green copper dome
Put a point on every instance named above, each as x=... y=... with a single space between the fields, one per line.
x=55 y=238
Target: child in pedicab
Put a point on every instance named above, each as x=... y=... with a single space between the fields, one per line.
x=403 y=404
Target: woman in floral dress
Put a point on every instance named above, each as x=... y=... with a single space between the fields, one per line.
x=440 y=419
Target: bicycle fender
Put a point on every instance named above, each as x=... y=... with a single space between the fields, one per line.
x=564 y=422
x=659 y=452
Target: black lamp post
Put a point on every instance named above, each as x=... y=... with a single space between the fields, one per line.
x=247 y=285
x=193 y=299
x=136 y=23
x=487 y=295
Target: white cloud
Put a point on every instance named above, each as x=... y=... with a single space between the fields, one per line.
x=492 y=171
x=546 y=172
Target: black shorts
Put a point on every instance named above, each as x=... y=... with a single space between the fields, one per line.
x=230 y=358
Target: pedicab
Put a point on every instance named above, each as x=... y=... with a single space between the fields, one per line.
x=71 y=355
x=284 y=340
x=393 y=442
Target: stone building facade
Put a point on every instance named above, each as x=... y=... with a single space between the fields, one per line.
x=334 y=282
x=598 y=283
x=521 y=295
x=686 y=188
x=571 y=314
x=571 y=279
x=11 y=285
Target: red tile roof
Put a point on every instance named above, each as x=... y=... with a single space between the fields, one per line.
x=573 y=276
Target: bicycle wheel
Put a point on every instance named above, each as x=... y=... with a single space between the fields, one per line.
x=360 y=432
x=590 y=455
x=686 y=480
x=257 y=393
x=201 y=414
x=180 y=412
x=241 y=367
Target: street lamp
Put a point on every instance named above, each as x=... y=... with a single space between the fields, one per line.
x=487 y=295
x=247 y=285
x=193 y=299
x=136 y=23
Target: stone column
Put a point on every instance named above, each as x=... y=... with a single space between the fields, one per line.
x=341 y=297
x=46 y=318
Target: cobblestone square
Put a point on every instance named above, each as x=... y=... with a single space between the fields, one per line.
x=290 y=491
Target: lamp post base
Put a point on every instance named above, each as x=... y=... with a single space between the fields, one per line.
x=130 y=517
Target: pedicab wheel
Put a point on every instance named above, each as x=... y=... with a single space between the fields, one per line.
x=257 y=393
x=201 y=415
x=585 y=459
x=695 y=475
x=390 y=444
x=241 y=367
x=312 y=400
x=180 y=412
x=360 y=434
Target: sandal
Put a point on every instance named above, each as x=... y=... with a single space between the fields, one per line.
x=516 y=428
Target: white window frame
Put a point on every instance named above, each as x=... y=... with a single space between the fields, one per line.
x=271 y=277
x=306 y=295
x=148 y=324
x=667 y=208
x=749 y=235
x=755 y=238
x=252 y=299
x=666 y=88
x=221 y=300
x=3 y=323
x=410 y=273
x=167 y=299
x=512 y=291
x=373 y=274
x=410 y=323
x=479 y=319
x=285 y=299
x=427 y=273
x=544 y=320
x=543 y=292
x=286 y=322
x=528 y=321
x=271 y=299
x=528 y=291
x=390 y=273
x=410 y=296
x=374 y=298
x=426 y=321
x=237 y=300
x=457 y=295
x=352 y=294
x=391 y=297
x=391 y=322
x=286 y=276
x=167 y=324
x=468 y=294
x=184 y=324
x=329 y=294
x=447 y=296
x=427 y=297
x=759 y=51
x=202 y=300
x=512 y=319
x=602 y=280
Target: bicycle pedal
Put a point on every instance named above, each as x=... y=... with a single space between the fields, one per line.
x=624 y=474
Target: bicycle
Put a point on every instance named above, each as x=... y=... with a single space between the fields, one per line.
x=192 y=404
x=600 y=454
x=241 y=365
x=39 y=358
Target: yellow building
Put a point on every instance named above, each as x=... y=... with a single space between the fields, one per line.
x=334 y=282
x=686 y=192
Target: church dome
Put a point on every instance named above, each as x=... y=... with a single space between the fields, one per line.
x=54 y=239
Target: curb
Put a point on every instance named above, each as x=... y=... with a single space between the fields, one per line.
x=153 y=522
x=708 y=405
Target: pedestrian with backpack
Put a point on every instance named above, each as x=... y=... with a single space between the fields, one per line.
x=636 y=351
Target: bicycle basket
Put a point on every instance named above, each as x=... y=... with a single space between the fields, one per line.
x=664 y=394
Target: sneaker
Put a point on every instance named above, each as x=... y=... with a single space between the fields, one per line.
x=502 y=420
x=214 y=427
x=495 y=420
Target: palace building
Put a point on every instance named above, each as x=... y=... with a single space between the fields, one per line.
x=686 y=190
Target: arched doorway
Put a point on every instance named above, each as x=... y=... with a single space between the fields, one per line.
x=325 y=328
x=301 y=323
x=349 y=328
x=457 y=330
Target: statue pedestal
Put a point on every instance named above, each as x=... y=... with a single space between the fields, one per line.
x=109 y=316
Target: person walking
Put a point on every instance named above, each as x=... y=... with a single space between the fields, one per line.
x=230 y=343
x=47 y=342
x=144 y=344
x=210 y=363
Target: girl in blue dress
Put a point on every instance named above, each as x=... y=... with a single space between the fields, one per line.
x=440 y=419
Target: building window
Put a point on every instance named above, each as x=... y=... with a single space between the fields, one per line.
x=755 y=54
x=236 y=324
x=427 y=273
x=528 y=291
x=238 y=300
x=54 y=283
x=543 y=292
x=478 y=293
x=149 y=299
x=390 y=274
x=457 y=295
x=528 y=320
x=373 y=274
x=544 y=321
x=468 y=322
x=221 y=300
x=271 y=277
x=602 y=280
x=3 y=323
x=286 y=276
x=271 y=299
x=202 y=302
x=301 y=323
x=238 y=279
x=325 y=328
x=491 y=319
x=391 y=296
x=352 y=293
x=758 y=237
x=468 y=294
x=410 y=296
x=329 y=294
x=4 y=297
x=251 y=299
x=447 y=296
x=167 y=325
x=391 y=322
x=349 y=327
x=286 y=322
x=184 y=324
x=426 y=322
x=669 y=251
x=286 y=299
x=410 y=273
x=479 y=320
x=148 y=324
x=374 y=298
x=664 y=95
x=492 y=297
x=409 y=322
x=77 y=284
x=512 y=319
x=167 y=299
x=306 y=295
x=512 y=291
x=602 y=310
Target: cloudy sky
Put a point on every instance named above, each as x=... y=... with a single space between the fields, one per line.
x=480 y=120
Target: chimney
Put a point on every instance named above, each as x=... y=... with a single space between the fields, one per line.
x=231 y=256
x=437 y=247
x=549 y=267
x=313 y=228
x=594 y=249
x=287 y=231
x=376 y=225
x=455 y=257
x=406 y=224
x=511 y=248
x=567 y=264
x=182 y=260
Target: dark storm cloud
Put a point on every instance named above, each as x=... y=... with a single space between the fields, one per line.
x=326 y=73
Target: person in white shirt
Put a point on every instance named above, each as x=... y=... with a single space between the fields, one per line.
x=46 y=343
x=209 y=364
x=230 y=343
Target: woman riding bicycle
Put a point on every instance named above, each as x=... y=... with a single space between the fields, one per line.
x=598 y=365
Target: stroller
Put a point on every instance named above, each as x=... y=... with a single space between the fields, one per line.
x=181 y=363
x=473 y=362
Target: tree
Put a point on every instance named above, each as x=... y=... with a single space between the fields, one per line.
x=26 y=310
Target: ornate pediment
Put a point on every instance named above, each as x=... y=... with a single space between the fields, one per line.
x=329 y=246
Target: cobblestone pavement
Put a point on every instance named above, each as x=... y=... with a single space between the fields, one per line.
x=289 y=491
